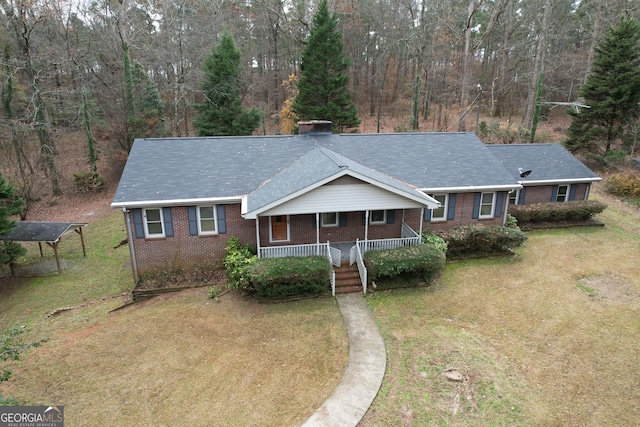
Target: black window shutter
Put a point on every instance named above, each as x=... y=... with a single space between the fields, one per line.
x=554 y=193
x=522 y=196
x=391 y=217
x=222 y=219
x=427 y=215
x=342 y=219
x=572 y=191
x=315 y=223
x=451 y=209
x=137 y=223
x=499 y=203
x=193 y=221
x=476 y=205
x=168 y=222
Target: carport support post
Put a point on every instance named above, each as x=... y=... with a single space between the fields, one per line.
x=54 y=245
x=79 y=231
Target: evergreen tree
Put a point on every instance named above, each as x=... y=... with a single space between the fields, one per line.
x=221 y=112
x=9 y=205
x=323 y=93
x=612 y=91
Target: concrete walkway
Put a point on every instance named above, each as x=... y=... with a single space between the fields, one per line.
x=367 y=362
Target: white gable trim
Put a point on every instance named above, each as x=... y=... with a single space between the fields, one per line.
x=418 y=198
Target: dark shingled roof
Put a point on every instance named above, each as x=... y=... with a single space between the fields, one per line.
x=35 y=231
x=171 y=170
x=547 y=162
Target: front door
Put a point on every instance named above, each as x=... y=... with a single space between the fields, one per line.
x=279 y=228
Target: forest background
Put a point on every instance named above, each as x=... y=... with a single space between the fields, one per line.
x=106 y=72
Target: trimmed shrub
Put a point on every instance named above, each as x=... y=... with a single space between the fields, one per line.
x=557 y=212
x=481 y=239
x=236 y=260
x=424 y=261
x=287 y=277
x=625 y=185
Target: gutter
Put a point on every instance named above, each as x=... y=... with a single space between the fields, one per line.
x=560 y=181
x=472 y=189
x=176 y=202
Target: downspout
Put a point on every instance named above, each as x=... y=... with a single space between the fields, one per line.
x=258 y=234
x=132 y=250
x=506 y=208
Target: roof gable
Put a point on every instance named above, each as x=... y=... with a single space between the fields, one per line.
x=316 y=168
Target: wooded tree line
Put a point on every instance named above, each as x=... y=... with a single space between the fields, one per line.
x=122 y=69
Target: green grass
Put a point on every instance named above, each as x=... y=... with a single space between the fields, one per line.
x=548 y=337
x=103 y=272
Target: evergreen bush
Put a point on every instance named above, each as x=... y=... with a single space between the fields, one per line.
x=573 y=211
x=424 y=261
x=477 y=239
x=288 y=277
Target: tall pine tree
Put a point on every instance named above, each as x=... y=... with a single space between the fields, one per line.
x=9 y=205
x=221 y=112
x=612 y=91
x=323 y=93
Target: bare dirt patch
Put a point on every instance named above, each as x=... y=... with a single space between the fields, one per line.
x=608 y=287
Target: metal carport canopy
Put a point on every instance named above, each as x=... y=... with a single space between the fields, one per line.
x=45 y=232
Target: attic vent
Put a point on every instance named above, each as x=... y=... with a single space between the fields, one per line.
x=315 y=127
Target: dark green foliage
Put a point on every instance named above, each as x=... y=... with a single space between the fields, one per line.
x=88 y=128
x=221 y=112
x=12 y=345
x=424 y=261
x=612 y=91
x=557 y=212
x=8 y=401
x=323 y=92
x=9 y=205
x=477 y=239
x=148 y=121
x=625 y=185
x=236 y=260
x=88 y=182
x=288 y=277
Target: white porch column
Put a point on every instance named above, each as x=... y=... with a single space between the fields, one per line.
x=421 y=219
x=317 y=231
x=258 y=234
x=366 y=227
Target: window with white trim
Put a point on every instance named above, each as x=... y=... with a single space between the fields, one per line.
x=514 y=196
x=153 y=223
x=329 y=219
x=487 y=205
x=563 y=193
x=378 y=217
x=440 y=214
x=207 y=220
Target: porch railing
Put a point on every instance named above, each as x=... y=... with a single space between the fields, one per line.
x=382 y=244
x=319 y=249
x=356 y=256
x=407 y=231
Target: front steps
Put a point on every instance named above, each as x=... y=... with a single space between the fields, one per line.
x=348 y=279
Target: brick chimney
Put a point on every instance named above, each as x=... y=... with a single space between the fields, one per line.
x=315 y=127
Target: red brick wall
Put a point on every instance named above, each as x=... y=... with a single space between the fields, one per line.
x=185 y=251
x=542 y=193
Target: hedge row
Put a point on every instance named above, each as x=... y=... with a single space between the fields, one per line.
x=557 y=212
x=480 y=239
x=286 y=277
x=423 y=261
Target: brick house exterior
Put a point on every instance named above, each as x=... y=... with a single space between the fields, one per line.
x=182 y=198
